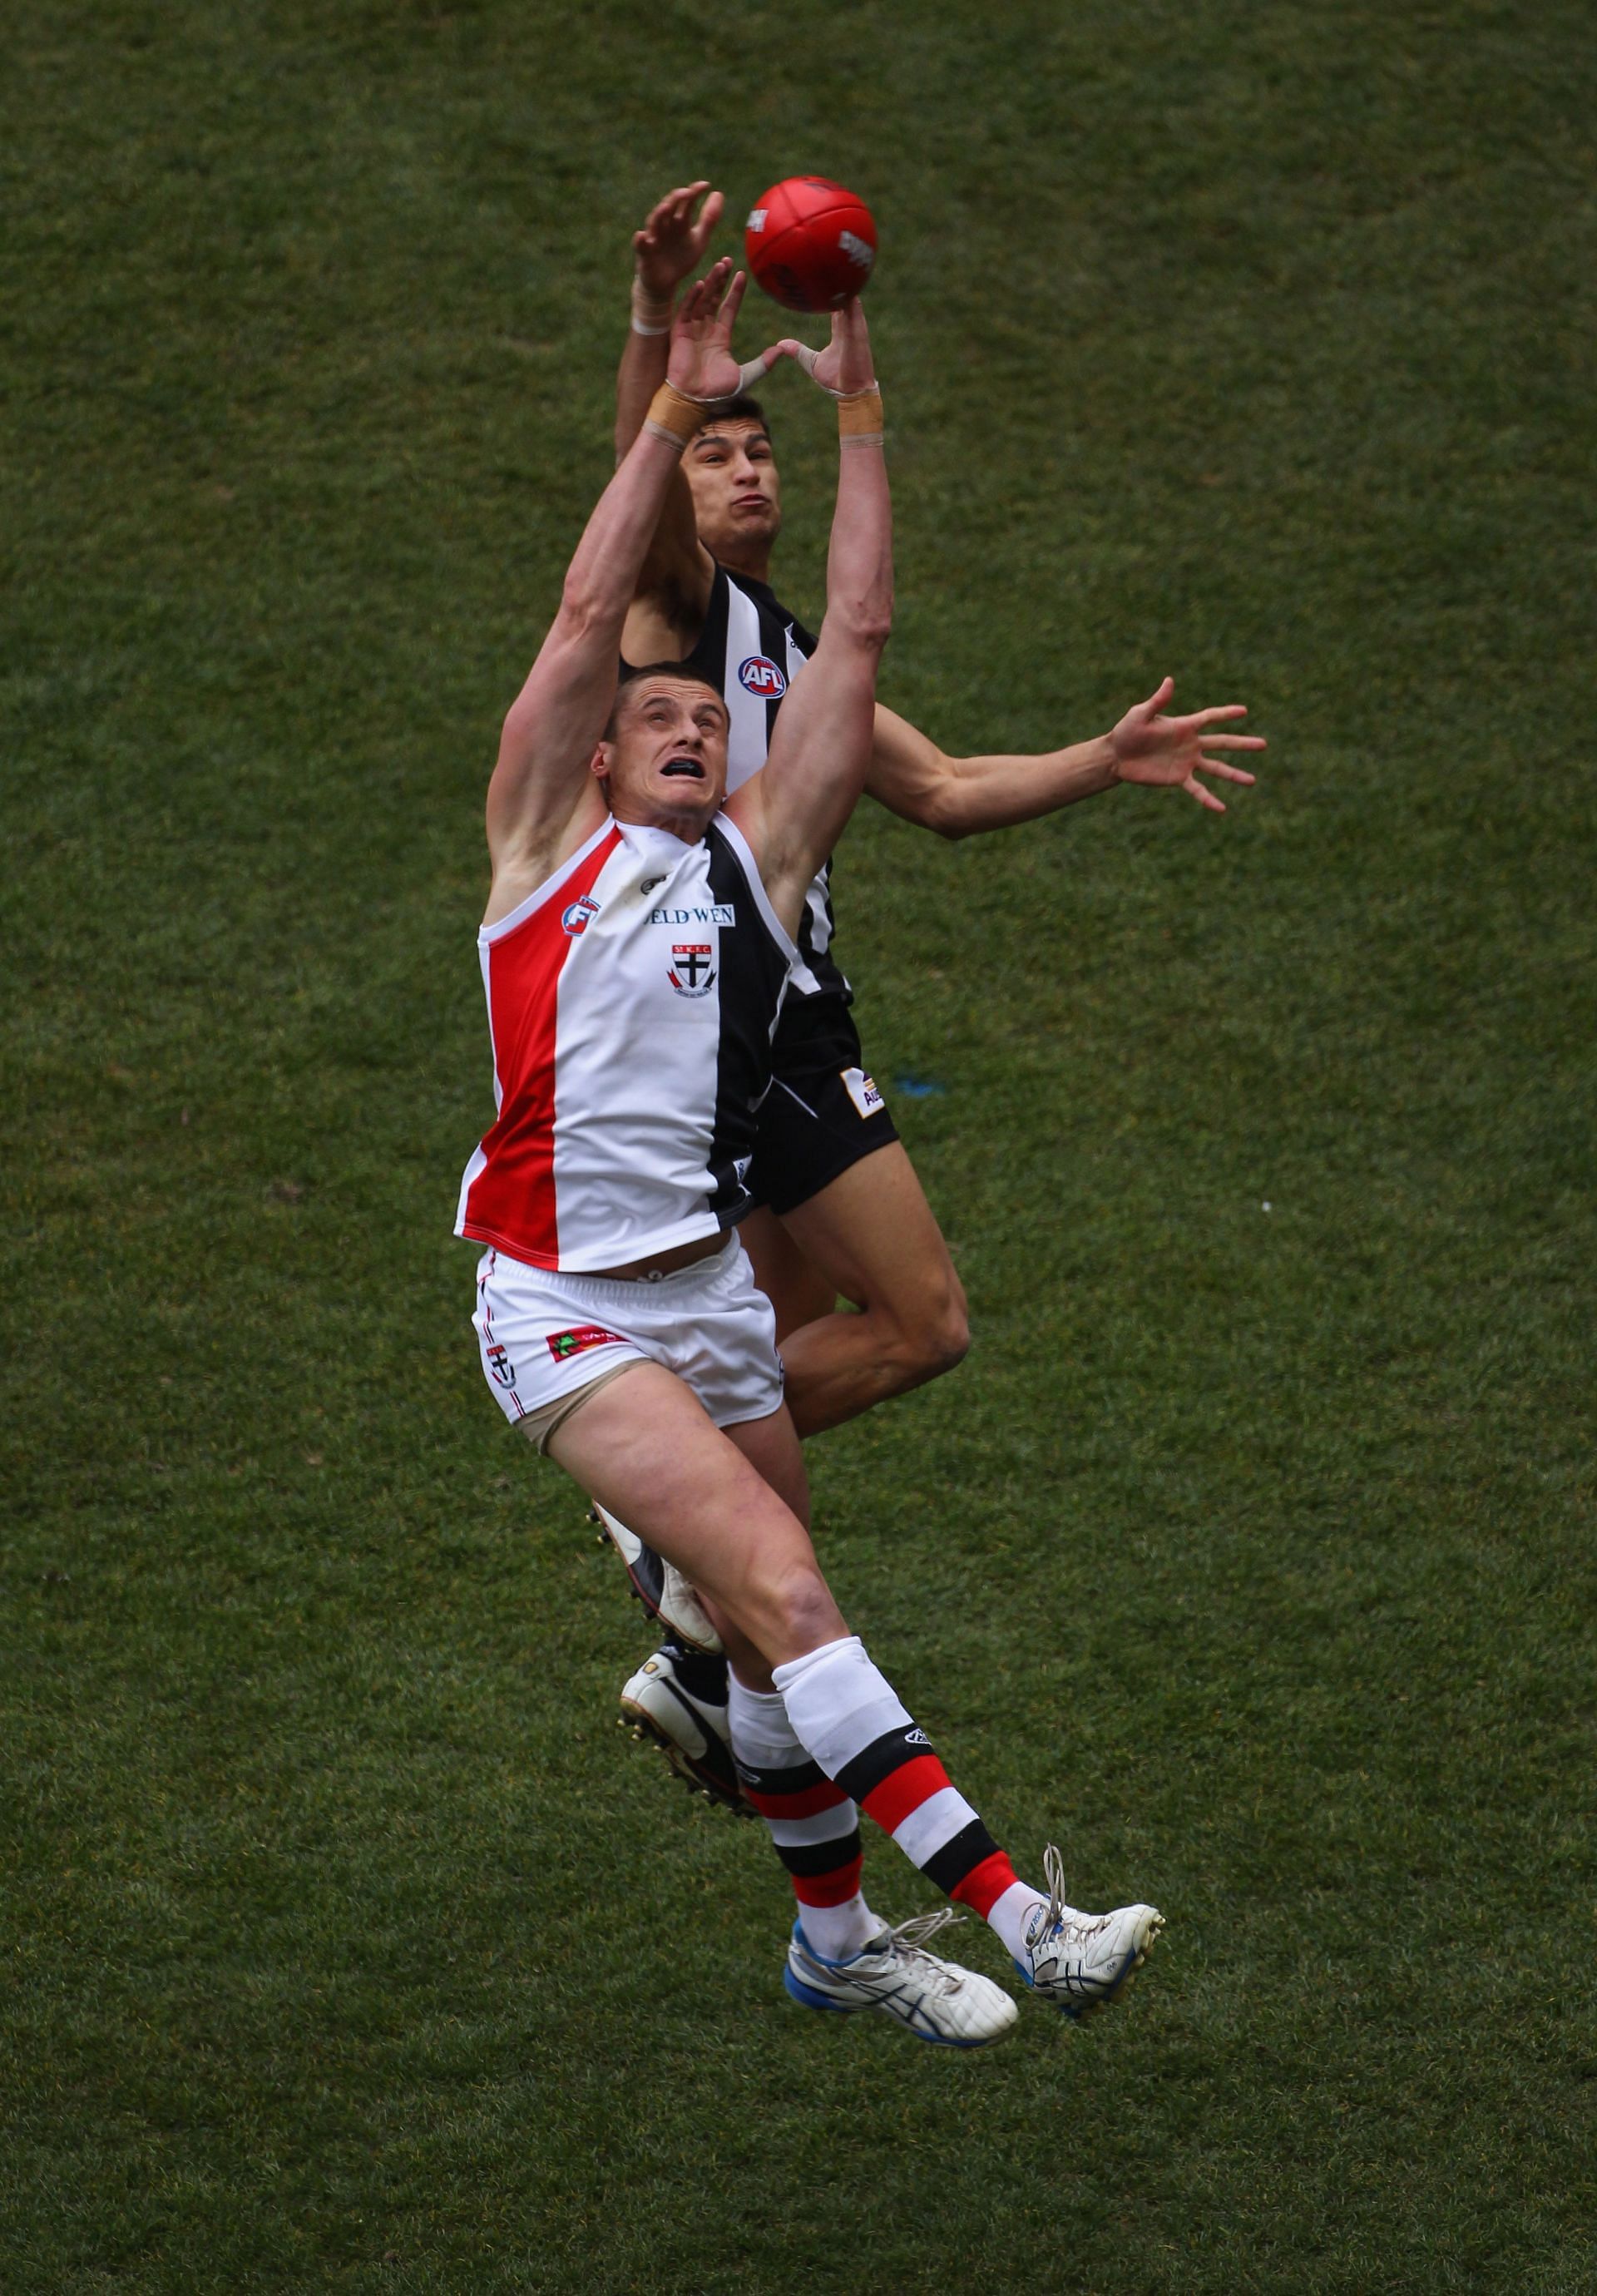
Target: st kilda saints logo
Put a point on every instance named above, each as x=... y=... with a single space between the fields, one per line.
x=690 y=971
x=500 y=1366
x=761 y=676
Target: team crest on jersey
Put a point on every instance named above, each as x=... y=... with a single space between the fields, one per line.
x=575 y=920
x=692 y=972
x=563 y=1344
x=762 y=678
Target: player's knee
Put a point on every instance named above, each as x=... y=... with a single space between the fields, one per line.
x=800 y=1609
x=932 y=1340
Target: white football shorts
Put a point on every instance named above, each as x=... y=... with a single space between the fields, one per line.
x=545 y=1338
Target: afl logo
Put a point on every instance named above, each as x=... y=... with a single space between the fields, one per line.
x=575 y=919
x=762 y=678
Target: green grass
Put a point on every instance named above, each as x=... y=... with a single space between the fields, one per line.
x=1250 y=1553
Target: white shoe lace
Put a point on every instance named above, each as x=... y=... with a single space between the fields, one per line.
x=910 y=1942
x=1063 y=1920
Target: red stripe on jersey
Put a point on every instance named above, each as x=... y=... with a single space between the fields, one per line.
x=985 y=1884
x=828 y=1888
x=903 y=1790
x=805 y=1803
x=510 y=1203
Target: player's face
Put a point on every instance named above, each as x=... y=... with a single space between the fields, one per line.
x=666 y=765
x=737 y=494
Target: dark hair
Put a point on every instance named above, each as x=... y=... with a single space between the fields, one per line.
x=678 y=671
x=742 y=409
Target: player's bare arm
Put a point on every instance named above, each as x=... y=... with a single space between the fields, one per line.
x=962 y=796
x=678 y=570
x=543 y=800
x=793 y=810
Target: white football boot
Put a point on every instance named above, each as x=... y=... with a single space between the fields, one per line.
x=660 y=1587
x=689 y=1727
x=1081 y=1961
x=934 y=2000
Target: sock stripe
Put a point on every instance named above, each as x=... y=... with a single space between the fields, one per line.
x=903 y=1792
x=828 y=1888
x=930 y=1828
x=949 y=1866
x=813 y=1799
x=986 y=1883
x=826 y=1826
x=904 y=1743
x=809 y=1858
x=776 y=1777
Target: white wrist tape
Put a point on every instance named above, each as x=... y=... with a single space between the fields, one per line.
x=809 y=360
x=651 y=313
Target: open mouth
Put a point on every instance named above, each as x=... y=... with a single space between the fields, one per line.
x=683 y=768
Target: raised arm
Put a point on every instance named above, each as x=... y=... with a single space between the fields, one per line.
x=676 y=572
x=961 y=797
x=795 y=808
x=542 y=791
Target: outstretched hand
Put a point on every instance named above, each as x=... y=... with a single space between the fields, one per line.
x=701 y=363
x=672 y=240
x=1170 y=752
x=845 y=365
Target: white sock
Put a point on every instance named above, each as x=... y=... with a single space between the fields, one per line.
x=1009 y=1916
x=838 y=1932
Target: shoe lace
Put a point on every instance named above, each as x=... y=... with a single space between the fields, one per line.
x=911 y=1938
x=1062 y=1920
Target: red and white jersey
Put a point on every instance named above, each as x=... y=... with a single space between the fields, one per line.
x=632 y=1000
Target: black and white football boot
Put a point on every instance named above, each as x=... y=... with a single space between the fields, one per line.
x=660 y=1587
x=677 y=1701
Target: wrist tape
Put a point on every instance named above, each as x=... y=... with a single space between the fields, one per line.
x=651 y=313
x=859 y=418
x=674 y=416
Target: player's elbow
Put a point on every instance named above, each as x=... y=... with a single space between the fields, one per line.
x=865 y=621
x=583 y=605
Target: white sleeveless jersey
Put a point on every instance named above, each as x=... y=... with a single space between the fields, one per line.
x=632 y=1000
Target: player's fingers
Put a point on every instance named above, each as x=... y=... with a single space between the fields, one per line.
x=1218 y=716
x=1232 y=742
x=733 y=297
x=709 y=214
x=1227 y=773
x=1206 y=798
x=1157 y=700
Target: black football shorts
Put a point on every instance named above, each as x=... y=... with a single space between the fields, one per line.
x=823 y=1112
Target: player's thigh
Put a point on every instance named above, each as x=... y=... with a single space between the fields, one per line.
x=798 y=1289
x=645 y=1447
x=773 y=1449
x=870 y=1235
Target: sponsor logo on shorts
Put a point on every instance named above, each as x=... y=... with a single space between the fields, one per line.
x=711 y=913
x=762 y=678
x=916 y=1738
x=500 y=1366
x=575 y=919
x=563 y=1344
x=862 y=1090
x=692 y=972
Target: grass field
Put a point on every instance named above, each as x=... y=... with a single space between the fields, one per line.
x=1250 y=1555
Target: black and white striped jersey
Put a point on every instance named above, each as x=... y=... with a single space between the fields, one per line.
x=751 y=649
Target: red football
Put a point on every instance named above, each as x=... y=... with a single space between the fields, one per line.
x=810 y=243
